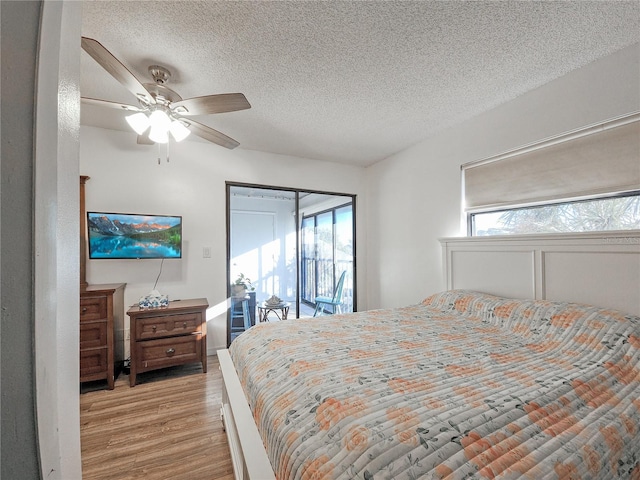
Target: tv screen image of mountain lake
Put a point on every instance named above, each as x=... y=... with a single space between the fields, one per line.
x=131 y=236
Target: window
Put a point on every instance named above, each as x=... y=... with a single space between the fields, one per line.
x=534 y=189
x=613 y=213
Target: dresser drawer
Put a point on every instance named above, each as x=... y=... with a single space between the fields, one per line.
x=168 y=325
x=93 y=334
x=93 y=363
x=93 y=308
x=153 y=354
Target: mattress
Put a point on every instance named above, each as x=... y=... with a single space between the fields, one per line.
x=462 y=385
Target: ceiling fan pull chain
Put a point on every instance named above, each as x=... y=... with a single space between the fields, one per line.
x=168 y=150
x=158 y=153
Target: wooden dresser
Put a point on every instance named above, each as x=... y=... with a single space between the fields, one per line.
x=101 y=316
x=164 y=337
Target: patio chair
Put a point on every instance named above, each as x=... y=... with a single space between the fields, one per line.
x=335 y=301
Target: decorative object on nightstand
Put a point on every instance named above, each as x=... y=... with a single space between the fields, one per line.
x=154 y=300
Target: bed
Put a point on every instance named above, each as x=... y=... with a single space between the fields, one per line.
x=463 y=384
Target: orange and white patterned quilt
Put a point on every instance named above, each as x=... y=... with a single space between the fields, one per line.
x=463 y=385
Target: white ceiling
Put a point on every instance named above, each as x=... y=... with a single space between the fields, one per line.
x=348 y=81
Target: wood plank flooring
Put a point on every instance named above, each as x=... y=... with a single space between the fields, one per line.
x=166 y=427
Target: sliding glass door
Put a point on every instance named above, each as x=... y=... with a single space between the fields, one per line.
x=293 y=244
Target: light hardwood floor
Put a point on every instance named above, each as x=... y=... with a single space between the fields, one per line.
x=166 y=427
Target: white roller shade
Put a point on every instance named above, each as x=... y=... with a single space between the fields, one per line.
x=593 y=161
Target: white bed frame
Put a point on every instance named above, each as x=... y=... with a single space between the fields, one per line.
x=600 y=269
x=248 y=454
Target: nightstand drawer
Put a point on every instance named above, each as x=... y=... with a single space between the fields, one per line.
x=93 y=308
x=168 y=326
x=169 y=351
x=93 y=362
x=93 y=334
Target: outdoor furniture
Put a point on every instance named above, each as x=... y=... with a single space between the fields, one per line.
x=240 y=310
x=335 y=301
x=264 y=309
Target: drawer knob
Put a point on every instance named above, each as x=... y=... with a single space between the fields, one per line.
x=184 y=325
x=153 y=327
x=84 y=309
x=170 y=351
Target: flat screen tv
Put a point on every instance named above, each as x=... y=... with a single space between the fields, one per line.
x=133 y=236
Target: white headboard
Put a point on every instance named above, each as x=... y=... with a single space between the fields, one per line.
x=600 y=269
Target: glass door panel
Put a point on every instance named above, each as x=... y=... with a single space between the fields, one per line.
x=327 y=252
x=344 y=253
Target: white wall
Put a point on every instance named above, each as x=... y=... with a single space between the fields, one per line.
x=414 y=196
x=126 y=177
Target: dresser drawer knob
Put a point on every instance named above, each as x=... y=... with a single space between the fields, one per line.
x=84 y=309
x=170 y=351
x=153 y=327
x=184 y=325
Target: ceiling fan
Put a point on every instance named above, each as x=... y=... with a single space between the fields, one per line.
x=161 y=111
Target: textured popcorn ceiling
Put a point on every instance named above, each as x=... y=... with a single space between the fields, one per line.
x=349 y=81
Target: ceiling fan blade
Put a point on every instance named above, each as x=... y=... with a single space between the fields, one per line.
x=117 y=70
x=212 y=135
x=108 y=104
x=224 y=102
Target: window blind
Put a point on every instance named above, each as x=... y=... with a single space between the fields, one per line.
x=596 y=160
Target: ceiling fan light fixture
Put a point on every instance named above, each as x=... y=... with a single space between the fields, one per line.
x=160 y=120
x=160 y=124
x=179 y=130
x=139 y=122
x=158 y=135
